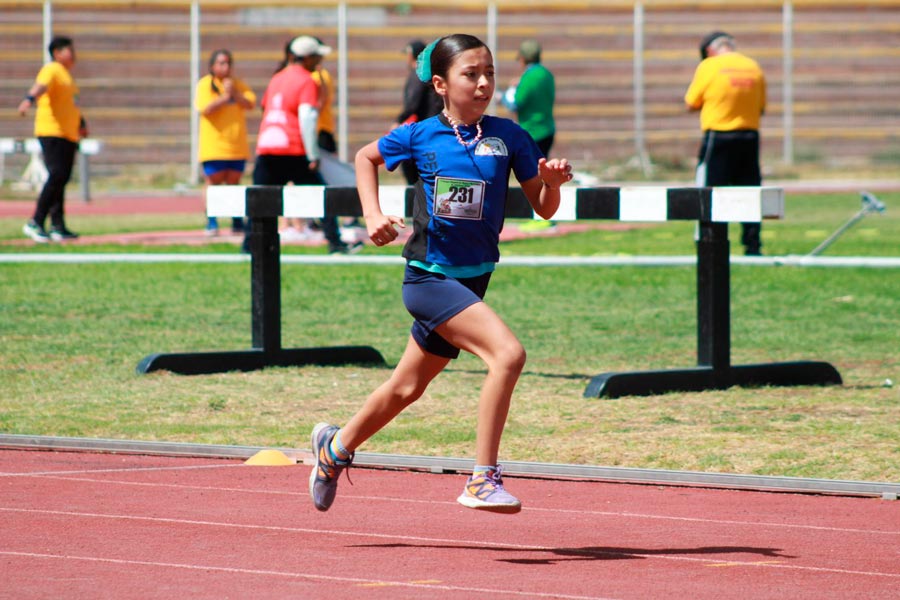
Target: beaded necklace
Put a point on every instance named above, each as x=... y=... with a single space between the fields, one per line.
x=455 y=125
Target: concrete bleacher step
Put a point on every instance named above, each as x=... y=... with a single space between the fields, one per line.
x=134 y=72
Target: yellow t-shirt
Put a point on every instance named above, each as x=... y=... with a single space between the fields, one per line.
x=730 y=91
x=57 y=113
x=326 y=94
x=223 y=134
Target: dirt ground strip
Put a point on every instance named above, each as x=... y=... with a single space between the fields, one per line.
x=195 y=204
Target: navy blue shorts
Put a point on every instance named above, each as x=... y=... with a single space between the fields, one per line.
x=432 y=298
x=211 y=167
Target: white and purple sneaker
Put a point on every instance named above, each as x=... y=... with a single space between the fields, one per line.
x=485 y=492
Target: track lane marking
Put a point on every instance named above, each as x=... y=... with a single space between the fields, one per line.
x=299 y=575
x=451 y=542
x=625 y=514
x=122 y=470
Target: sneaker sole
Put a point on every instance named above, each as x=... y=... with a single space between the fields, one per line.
x=507 y=509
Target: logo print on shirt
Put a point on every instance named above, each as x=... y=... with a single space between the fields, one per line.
x=272 y=133
x=430 y=163
x=491 y=146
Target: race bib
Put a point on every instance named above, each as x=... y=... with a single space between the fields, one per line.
x=458 y=198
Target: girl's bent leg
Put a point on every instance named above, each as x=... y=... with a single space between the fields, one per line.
x=407 y=383
x=412 y=375
x=479 y=330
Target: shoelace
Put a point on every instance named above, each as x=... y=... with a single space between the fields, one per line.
x=495 y=476
x=492 y=481
x=327 y=464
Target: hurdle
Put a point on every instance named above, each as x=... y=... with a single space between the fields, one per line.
x=263 y=205
x=712 y=208
x=35 y=174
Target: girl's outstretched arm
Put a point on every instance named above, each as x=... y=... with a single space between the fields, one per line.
x=379 y=226
x=542 y=190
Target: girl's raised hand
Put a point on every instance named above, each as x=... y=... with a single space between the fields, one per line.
x=554 y=172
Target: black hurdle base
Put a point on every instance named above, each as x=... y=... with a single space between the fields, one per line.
x=263 y=207
x=205 y=363
x=696 y=379
x=714 y=370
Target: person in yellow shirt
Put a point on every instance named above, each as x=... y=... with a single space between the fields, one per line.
x=729 y=90
x=222 y=101
x=58 y=126
x=327 y=126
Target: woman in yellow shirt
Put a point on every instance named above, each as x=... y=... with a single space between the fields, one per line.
x=222 y=101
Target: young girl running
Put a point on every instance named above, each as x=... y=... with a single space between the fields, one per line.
x=464 y=158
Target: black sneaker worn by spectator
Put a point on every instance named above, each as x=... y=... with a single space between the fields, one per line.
x=62 y=234
x=353 y=248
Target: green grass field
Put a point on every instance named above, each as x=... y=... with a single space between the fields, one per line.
x=74 y=333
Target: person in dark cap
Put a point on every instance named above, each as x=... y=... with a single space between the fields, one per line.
x=59 y=126
x=531 y=98
x=419 y=102
x=729 y=90
x=709 y=39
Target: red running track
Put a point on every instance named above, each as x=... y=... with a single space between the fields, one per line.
x=84 y=525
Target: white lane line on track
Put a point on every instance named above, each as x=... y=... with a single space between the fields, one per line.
x=596 y=513
x=123 y=470
x=556 y=551
x=718 y=521
x=300 y=575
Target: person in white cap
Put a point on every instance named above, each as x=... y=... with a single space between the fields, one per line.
x=287 y=149
x=291 y=112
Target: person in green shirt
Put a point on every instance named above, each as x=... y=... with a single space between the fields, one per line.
x=531 y=98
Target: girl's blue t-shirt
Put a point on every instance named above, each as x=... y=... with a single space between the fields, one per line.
x=460 y=200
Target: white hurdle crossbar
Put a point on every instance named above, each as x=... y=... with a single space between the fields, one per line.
x=712 y=208
x=35 y=173
x=644 y=204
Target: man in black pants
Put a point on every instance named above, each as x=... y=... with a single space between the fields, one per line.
x=59 y=126
x=729 y=90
